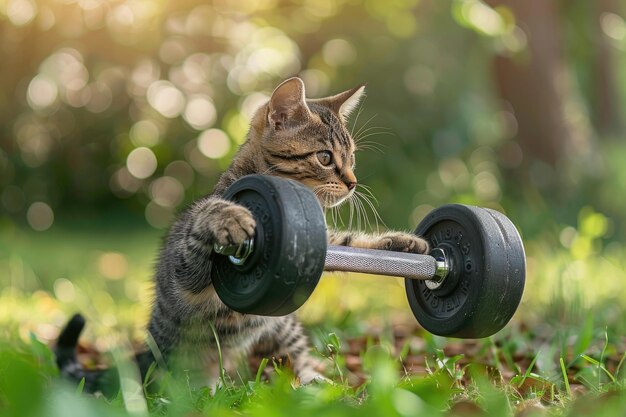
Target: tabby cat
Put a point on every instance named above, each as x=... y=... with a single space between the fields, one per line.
x=292 y=137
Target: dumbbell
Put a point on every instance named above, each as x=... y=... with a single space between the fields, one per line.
x=469 y=286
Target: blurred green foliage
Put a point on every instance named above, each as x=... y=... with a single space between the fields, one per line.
x=141 y=104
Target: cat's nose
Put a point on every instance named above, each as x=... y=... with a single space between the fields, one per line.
x=349 y=179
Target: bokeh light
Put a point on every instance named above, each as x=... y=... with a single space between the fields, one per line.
x=42 y=92
x=146 y=72
x=113 y=265
x=613 y=26
x=213 y=143
x=165 y=98
x=182 y=171
x=123 y=184
x=145 y=133
x=64 y=290
x=98 y=97
x=40 y=216
x=141 y=162
x=200 y=112
x=158 y=216
x=251 y=103
x=21 y=12
x=338 y=52
x=167 y=192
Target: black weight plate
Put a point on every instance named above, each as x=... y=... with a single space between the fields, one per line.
x=289 y=248
x=486 y=281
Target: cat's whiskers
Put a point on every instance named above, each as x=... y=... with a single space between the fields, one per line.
x=364 y=126
x=365 y=132
x=368 y=223
x=356 y=205
x=339 y=216
x=367 y=199
x=368 y=190
x=360 y=203
x=356 y=119
x=332 y=205
x=360 y=143
x=351 y=205
x=371 y=130
x=370 y=146
x=363 y=213
x=354 y=212
x=322 y=195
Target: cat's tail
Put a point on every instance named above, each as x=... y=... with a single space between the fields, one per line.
x=104 y=381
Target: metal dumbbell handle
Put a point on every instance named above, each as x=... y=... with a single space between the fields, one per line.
x=433 y=268
x=389 y=263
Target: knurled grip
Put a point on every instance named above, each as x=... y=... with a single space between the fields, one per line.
x=380 y=262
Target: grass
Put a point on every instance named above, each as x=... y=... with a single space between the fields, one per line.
x=450 y=385
x=562 y=355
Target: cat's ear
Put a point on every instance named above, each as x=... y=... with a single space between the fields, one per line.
x=344 y=103
x=287 y=105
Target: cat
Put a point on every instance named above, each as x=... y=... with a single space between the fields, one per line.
x=290 y=136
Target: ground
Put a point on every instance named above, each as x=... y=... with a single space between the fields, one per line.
x=563 y=356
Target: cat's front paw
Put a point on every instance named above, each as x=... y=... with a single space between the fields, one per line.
x=402 y=242
x=232 y=225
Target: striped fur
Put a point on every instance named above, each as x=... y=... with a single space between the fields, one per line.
x=290 y=137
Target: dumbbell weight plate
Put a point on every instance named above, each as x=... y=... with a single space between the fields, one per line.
x=289 y=248
x=486 y=282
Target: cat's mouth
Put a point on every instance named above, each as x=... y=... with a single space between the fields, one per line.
x=331 y=195
x=340 y=200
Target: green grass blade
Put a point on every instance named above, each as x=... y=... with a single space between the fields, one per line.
x=529 y=370
x=80 y=387
x=600 y=367
x=259 y=371
x=219 y=355
x=619 y=366
x=531 y=366
x=590 y=360
x=156 y=352
x=565 y=379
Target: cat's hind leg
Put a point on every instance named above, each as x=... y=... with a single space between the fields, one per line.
x=288 y=340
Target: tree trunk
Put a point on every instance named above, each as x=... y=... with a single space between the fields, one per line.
x=607 y=114
x=536 y=83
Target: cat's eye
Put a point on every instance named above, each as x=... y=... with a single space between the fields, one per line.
x=324 y=157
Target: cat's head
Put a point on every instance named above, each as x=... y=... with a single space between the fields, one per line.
x=307 y=139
